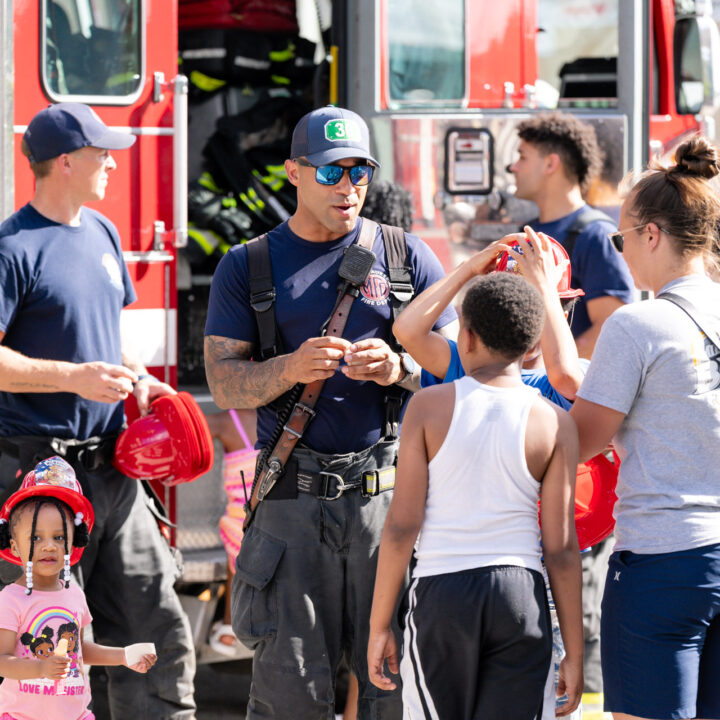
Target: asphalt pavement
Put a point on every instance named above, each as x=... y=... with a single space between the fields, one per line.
x=222 y=690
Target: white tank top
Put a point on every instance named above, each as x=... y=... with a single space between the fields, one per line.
x=482 y=502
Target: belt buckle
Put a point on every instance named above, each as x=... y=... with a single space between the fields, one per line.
x=340 y=485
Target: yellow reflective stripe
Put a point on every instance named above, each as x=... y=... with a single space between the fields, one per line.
x=223 y=247
x=278 y=170
x=280 y=80
x=283 y=55
x=229 y=202
x=272 y=181
x=207 y=181
x=205 y=82
x=256 y=198
x=199 y=239
x=247 y=201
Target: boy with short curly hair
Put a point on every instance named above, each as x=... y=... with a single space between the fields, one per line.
x=475 y=455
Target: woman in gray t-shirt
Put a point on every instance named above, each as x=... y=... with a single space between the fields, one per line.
x=653 y=387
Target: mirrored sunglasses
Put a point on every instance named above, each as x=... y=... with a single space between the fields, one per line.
x=332 y=174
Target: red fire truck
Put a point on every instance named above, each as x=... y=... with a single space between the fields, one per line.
x=442 y=85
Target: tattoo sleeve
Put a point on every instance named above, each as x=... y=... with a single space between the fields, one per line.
x=235 y=381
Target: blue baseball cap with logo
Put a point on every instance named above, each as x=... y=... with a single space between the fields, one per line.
x=65 y=127
x=329 y=134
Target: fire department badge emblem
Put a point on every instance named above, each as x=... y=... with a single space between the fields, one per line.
x=376 y=289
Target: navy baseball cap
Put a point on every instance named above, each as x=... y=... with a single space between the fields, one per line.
x=329 y=134
x=65 y=127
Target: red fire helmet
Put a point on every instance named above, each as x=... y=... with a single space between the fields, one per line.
x=595 y=499
x=52 y=477
x=506 y=263
x=172 y=443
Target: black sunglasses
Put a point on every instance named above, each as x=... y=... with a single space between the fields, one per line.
x=332 y=174
x=617 y=238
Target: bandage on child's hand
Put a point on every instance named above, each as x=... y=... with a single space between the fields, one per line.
x=140 y=657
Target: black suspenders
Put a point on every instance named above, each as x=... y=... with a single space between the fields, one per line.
x=262 y=301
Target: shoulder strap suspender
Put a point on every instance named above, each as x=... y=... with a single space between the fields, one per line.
x=692 y=311
x=262 y=296
x=275 y=460
x=399 y=271
x=401 y=293
x=587 y=216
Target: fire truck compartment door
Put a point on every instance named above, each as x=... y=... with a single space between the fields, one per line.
x=468 y=161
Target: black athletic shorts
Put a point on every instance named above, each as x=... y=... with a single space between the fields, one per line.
x=476 y=645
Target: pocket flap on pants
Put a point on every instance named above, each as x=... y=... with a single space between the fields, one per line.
x=259 y=557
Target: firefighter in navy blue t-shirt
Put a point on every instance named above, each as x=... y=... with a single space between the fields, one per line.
x=304 y=575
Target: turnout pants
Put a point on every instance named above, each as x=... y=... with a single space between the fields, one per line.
x=127 y=572
x=301 y=598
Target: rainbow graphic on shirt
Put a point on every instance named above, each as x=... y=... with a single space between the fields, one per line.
x=62 y=615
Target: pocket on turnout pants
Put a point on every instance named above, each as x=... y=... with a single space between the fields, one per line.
x=254 y=601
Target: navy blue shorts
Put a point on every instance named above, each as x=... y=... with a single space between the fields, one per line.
x=661 y=634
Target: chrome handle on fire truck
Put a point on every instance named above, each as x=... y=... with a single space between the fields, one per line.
x=179 y=87
x=180 y=160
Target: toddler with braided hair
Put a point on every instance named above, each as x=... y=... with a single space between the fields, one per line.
x=44 y=527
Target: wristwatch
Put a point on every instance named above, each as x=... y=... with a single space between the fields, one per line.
x=408 y=365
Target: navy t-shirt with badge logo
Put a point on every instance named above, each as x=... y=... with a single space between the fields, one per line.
x=62 y=290
x=350 y=414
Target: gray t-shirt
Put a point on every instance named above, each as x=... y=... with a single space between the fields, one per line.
x=652 y=362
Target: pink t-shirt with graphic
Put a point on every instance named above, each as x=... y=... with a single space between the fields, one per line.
x=40 y=620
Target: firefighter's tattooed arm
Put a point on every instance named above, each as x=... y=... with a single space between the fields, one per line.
x=237 y=382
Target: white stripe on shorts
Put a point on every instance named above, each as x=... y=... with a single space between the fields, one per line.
x=417 y=702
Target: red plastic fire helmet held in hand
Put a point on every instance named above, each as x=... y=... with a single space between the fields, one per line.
x=506 y=263
x=172 y=443
x=595 y=499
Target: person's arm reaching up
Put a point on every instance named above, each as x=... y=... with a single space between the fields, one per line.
x=560 y=355
x=414 y=326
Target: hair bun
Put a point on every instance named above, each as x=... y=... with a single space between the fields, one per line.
x=698 y=157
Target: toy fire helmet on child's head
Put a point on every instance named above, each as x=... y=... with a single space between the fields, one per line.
x=53 y=481
x=507 y=263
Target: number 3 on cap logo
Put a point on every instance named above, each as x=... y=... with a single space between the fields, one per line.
x=341 y=130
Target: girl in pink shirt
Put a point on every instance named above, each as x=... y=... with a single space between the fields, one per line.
x=44 y=527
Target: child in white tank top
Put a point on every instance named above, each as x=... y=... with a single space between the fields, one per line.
x=475 y=456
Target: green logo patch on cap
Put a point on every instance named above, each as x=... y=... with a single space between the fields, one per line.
x=342 y=130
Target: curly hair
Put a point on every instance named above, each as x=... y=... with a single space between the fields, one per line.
x=573 y=140
x=505 y=312
x=681 y=200
x=389 y=204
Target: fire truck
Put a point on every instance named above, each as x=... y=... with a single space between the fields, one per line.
x=442 y=86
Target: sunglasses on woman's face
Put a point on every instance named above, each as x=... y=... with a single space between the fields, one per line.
x=617 y=238
x=332 y=174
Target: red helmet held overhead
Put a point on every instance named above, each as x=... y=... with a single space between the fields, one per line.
x=172 y=443
x=506 y=263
